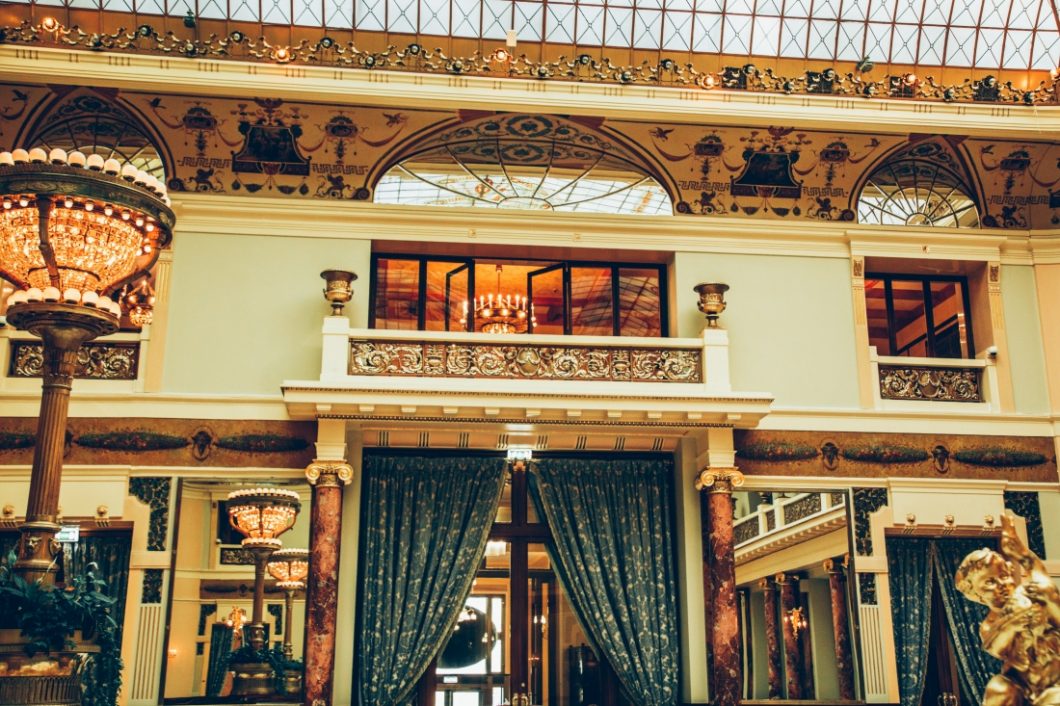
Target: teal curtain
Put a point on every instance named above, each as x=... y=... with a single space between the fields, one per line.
x=974 y=665
x=611 y=523
x=909 y=561
x=109 y=551
x=424 y=525
x=220 y=648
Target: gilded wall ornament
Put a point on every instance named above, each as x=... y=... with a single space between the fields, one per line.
x=936 y=384
x=95 y=361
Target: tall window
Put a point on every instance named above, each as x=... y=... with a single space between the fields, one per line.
x=574 y=298
x=918 y=316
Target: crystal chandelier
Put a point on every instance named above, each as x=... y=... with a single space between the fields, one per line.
x=75 y=230
x=500 y=313
x=289 y=567
x=261 y=515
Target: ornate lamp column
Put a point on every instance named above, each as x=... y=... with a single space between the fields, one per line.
x=837 y=584
x=74 y=230
x=325 y=532
x=261 y=515
x=769 y=595
x=720 y=544
x=792 y=654
x=290 y=567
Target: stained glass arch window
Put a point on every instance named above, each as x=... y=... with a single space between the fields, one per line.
x=919 y=186
x=92 y=125
x=524 y=162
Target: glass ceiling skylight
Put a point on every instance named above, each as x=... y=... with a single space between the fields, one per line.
x=982 y=34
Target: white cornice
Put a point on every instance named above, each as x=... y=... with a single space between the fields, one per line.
x=173 y=74
x=259 y=216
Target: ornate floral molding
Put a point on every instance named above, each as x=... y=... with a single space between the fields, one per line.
x=526 y=361
x=500 y=62
x=154 y=492
x=152 y=586
x=95 y=361
x=802 y=508
x=934 y=384
x=866 y=502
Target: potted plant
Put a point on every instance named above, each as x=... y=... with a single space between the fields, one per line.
x=46 y=632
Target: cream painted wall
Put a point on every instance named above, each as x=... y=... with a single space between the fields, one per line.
x=1025 y=347
x=816 y=594
x=790 y=322
x=1049 y=502
x=246 y=310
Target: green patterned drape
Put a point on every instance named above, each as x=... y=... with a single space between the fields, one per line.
x=109 y=551
x=220 y=648
x=424 y=525
x=909 y=561
x=611 y=522
x=975 y=666
x=914 y=564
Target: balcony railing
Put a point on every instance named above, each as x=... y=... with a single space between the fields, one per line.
x=907 y=379
x=770 y=520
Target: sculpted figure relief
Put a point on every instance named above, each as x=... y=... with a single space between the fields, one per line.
x=1023 y=626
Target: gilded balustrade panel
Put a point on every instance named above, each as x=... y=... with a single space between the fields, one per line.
x=525 y=361
x=104 y=360
x=937 y=384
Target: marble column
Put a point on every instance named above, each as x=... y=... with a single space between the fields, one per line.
x=837 y=584
x=322 y=585
x=769 y=596
x=724 y=638
x=789 y=586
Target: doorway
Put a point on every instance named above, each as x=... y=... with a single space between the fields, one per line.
x=517 y=640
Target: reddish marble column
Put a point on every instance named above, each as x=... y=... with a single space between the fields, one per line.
x=769 y=596
x=837 y=584
x=724 y=624
x=322 y=585
x=789 y=585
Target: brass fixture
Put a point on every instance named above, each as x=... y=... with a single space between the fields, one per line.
x=711 y=300
x=338 y=288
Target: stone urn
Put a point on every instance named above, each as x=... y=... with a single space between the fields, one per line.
x=42 y=679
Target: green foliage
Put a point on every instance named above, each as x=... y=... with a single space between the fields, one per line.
x=10 y=440
x=777 y=451
x=997 y=457
x=262 y=443
x=48 y=617
x=139 y=440
x=885 y=454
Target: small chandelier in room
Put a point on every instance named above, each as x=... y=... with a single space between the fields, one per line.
x=500 y=313
x=261 y=515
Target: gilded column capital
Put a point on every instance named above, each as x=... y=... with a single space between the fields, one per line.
x=329 y=474
x=837 y=565
x=719 y=480
x=783 y=578
x=766 y=584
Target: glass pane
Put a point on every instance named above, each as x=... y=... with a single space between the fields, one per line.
x=951 y=325
x=504 y=510
x=639 y=302
x=910 y=326
x=547 y=300
x=447 y=293
x=876 y=313
x=591 y=305
x=397 y=287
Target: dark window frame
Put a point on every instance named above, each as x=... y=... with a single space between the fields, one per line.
x=567 y=265
x=929 y=317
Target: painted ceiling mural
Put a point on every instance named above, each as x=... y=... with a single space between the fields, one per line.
x=273 y=147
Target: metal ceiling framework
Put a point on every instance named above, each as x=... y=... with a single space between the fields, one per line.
x=978 y=34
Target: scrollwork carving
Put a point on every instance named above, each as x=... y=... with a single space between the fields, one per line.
x=934 y=384
x=95 y=361
x=525 y=361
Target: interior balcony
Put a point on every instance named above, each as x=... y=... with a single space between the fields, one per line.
x=521 y=381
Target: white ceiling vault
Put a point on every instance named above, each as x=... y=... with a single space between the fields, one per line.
x=980 y=34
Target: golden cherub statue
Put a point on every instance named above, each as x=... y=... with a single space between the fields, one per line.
x=1023 y=626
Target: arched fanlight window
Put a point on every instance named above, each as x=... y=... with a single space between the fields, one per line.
x=524 y=162
x=92 y=125
x=920 y=186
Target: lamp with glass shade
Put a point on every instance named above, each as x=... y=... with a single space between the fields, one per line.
x=75 y=230
x=261 y=515
x=289 y=567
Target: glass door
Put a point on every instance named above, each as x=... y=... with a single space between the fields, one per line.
x=545 y=288
x=457 y=295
